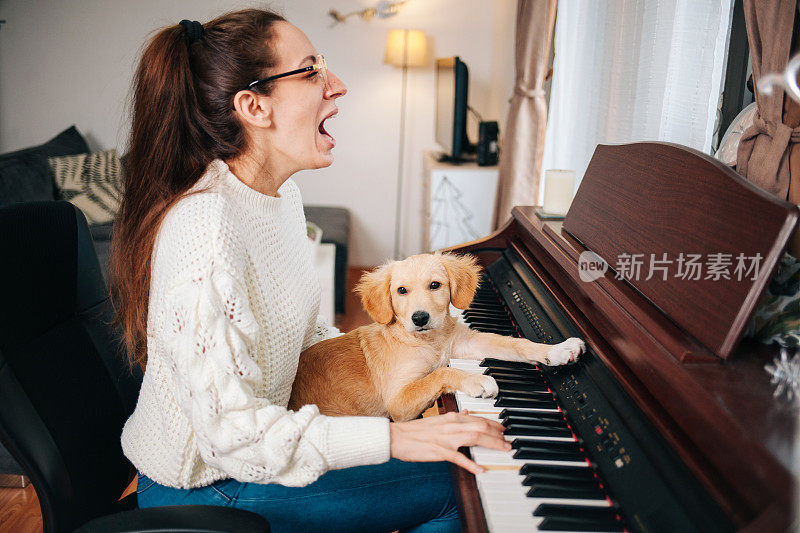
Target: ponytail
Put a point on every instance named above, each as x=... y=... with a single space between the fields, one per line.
x=182 y=119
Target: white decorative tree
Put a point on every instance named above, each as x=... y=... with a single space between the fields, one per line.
x=450 y=218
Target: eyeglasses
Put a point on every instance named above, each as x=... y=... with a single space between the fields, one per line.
x=320 y=66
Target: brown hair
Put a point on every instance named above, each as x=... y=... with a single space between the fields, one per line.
x=183 y=118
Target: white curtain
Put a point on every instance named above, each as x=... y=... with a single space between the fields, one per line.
x=627 y=71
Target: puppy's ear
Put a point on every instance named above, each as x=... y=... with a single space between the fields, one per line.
x=374 y=290
x=464 y=274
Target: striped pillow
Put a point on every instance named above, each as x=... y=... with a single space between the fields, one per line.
x=92 y=182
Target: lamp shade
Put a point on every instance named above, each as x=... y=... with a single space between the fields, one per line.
x=406 y=48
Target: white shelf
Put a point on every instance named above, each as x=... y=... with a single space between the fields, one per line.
x=459 y=202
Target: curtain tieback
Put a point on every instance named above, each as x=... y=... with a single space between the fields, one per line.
x=527 y=92
x=779 y=132
x=780 y=136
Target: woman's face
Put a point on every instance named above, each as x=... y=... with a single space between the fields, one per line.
x=300 y=104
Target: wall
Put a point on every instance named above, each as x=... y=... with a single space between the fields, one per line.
x=72 y=61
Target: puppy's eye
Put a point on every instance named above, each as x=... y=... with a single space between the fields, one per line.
x=435 y=285
x=401 y=290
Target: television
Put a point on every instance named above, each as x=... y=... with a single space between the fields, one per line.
x=452 y=82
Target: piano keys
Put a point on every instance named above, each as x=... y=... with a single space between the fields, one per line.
x=561 y=442
x=666 y=423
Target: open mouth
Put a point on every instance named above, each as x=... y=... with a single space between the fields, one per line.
x=323 y=131
x=424 y=328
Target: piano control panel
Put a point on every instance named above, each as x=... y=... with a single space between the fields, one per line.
x=642 y=476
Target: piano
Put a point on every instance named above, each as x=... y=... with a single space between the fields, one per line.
x=668 y=421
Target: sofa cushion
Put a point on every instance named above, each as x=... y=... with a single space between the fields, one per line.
x=91 y=182
x=101 y=235
x=25 y=175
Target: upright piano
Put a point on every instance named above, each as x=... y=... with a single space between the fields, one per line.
x=668 y=421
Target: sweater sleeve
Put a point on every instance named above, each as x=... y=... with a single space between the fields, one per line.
x=209 y=337
x=320 y=332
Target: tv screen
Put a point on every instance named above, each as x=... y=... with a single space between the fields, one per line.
x=452 y=80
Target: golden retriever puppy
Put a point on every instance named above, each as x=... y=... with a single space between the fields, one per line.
x=397 y=366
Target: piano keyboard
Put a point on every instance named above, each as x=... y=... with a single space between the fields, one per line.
x=546 y=482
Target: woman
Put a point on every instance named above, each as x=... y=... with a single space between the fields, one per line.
x=217 y=295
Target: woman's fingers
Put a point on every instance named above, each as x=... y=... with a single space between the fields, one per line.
x=485 y=425
x=465 y=417
x=439 y=437
x=491 y=442
x=463 y=461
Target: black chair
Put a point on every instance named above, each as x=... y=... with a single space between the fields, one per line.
x=65 y=388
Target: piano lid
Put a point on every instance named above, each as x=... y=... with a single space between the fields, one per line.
x=663 y=202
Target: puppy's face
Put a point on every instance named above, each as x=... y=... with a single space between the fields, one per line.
x=420 y=292
x=417 y=291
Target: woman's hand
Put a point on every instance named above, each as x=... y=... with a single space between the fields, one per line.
x=437 y=438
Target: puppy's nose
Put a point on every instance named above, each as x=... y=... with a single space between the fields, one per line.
x=420 y=318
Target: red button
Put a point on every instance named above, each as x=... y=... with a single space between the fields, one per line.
x=598 y=430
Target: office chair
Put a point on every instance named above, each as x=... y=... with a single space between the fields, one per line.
x=65 y=387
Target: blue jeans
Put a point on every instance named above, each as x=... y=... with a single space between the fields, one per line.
x=391 y=496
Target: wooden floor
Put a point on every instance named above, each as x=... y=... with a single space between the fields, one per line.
x=19 y=508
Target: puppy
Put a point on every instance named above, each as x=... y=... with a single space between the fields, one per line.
x=397 y=366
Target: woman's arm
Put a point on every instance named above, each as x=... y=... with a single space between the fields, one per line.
x=210 y=335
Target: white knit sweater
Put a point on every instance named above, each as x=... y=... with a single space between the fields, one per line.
x=234 y=298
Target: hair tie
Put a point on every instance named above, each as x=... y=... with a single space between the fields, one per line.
x=194 y=30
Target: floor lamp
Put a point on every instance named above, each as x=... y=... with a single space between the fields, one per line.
x=404 y=48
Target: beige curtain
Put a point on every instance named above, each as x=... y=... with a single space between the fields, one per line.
x=526 y=124
x=763 y=156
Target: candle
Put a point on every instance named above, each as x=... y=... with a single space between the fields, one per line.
x=559 y=185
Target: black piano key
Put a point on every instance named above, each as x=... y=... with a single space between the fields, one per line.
x=547 y=450
x=581 y=474
x=490 y=326
x=494 y=313
x=543 y=490
x=532 y=468
x=491 y=362
x=533 y=377
x=541 y=454
x=569 y=484
x=515 y=413
x=488 y=315
x=559 y=510
x=530 y=394
x=512 y=421
x=579 y=524
x=537 y=431
x=514 y=401
x=561 y=446
x=517 y=380
x=516 y=373
x=506 y=385
x=535 y=419
x=506 y=332
x=488 y=307
x=488 y=321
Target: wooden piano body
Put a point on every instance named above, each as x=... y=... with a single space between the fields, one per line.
x=673 y=346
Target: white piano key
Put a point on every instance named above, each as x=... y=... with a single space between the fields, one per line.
x=506 y=505
x=503 y=519
x=465 y=363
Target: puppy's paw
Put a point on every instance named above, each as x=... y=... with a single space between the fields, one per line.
x=566 y=352
x=479 y=386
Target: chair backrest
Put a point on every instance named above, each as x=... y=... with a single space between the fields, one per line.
x=65 y=389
